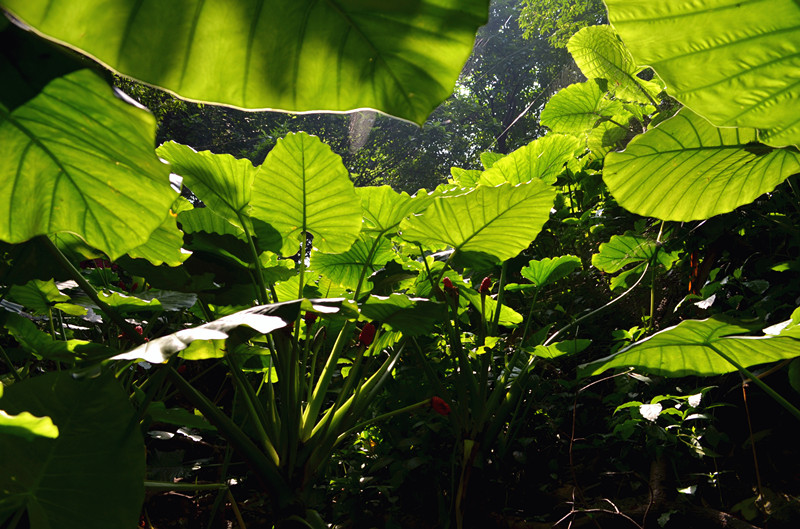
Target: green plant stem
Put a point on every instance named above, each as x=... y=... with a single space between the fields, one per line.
x=262 y=287
x=368 y=261
x=500 y=296
x=599 y=309
x=530 y=316
x=758 y=382
x=115 y=316
x=168 y=485
x=235 y=507
x=50 y=323
x=11 y=367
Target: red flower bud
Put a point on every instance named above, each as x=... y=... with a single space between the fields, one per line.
x=486 y=286
x=310 y=318
x=440 y=406
x=138 y=329
x=449 y=287
x=367 y=335
x=134 y=287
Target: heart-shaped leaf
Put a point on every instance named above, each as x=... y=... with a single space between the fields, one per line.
x=75 y=158
x=402 y=58
x=547 y=271
x=578 y=107
x=90 y=476
x=498 y=221
x=542 y=159
x=728 y=60
x=384 y=208
x=599 y=53
x=686 y=349
x=365 y=257
x=687 y=169
x=304 y=187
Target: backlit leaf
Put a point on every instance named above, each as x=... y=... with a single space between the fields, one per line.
x=577 y=108
x=541 y=159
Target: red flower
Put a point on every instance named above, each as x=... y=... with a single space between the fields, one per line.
x=367 y=335
x=449 y=287
x=138 y=329
x=310 y=318
x=440 y=406
x=486 y=286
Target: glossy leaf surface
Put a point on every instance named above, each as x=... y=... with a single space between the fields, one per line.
x=685 y=350
x=733 y=62
x=402 y=58
x=303 y=186
x=92 y=475
x=75 y=158
x=497 y=221
x=687 y=169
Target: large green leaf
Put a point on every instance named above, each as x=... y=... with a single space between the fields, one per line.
x=221 y=181
x=400 y=57
x=398 y=312
x=384 y=208
x=304 y=186
x=686 y=349
x=599 y=53
x=624 y=250
x=547 y=271
x=498 y=221
x=92 y=475
x=578 y=107
x=26 y=425
x=346 y=268
x=730 y=61
x=165 y=245
x=41 y=296
x=43 y=345
x=687 y=169
x=75 y=158
x=543 y=158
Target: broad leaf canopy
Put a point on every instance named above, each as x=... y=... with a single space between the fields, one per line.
x=400 y=57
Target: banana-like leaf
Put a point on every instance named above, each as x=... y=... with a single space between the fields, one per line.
x=346 y=268
x=578 y=107
x=402 y=57
x=686 y=349
x=92 y=475
x=541 y=159
x=687 y=169
x=384 y=208
x=75 y=158
x=498 y=221
x=599 y=53
x=222 y=182
x=547 y=271
x=730 y=61
x=304 y=186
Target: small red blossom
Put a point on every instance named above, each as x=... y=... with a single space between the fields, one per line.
x=367 y=335
x=310 y=318
x=449 y=287
x=138 y=329
x=486 y=286
x=440 y=406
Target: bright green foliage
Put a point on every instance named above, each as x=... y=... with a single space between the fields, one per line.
x=165 y=245
x=42 y=296
x=365 y=256
x=688 y=349
x=541 y=159
x=558 y=20
x=383 y=208
x=547 y=271
x=624 y=250
x=607 y=136
x=206 y=220
x=686 y=169
x=465 y=177
x=400 y=58
x=488 y=159
x=91 y=475
x=75 y=158
x=498 y=221
x=600 y=54
x=43 y=345
x=221 y=181
x=302 y=186
x=728 y=60
x=578 y=107
x=26 y=425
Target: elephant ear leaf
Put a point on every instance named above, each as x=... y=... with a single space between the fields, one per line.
x=699 y=50
x=303 y=186
x=687 y=169
x=690 y=348
x=400 y=57
x=76 y=158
